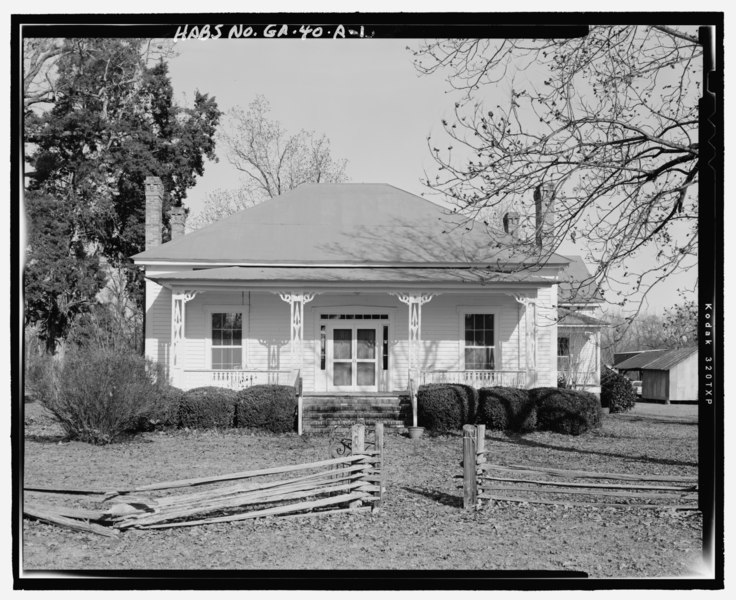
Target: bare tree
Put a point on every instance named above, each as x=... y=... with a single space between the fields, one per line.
x=677 y=327
x=272 y=160
x=608 y=122
x=219 y=204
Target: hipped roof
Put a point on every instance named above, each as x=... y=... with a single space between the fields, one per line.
x=576 y=284
x=323 y=224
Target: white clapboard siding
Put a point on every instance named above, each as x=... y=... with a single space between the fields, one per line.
x=158 y=323
x=546 y=337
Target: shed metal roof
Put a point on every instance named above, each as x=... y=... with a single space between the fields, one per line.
x=347 y=223
x=656 y=360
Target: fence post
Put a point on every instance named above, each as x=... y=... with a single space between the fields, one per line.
x=379 y=463
x=357 y=446
x=480 y=446
x=470 y=488
x=299 y=404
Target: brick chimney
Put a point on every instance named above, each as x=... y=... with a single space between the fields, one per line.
x=544 y=203
x=177 y=220
x=154 y=200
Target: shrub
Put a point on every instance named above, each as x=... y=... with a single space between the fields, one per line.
x=207 y=407
x=506 y=408
x=39 y=374
x=268 y=407
x=446 y=406
x=164 y=411
x=617 y=393
x=565 y=411
x=98 y=394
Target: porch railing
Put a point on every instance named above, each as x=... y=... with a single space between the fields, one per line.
x=479 y=379
x=582 y=380
x=236 y=380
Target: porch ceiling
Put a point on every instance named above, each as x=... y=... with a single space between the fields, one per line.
x=335 y=276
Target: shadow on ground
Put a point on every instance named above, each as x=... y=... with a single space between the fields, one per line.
x=515 y=438
x=437 y=496
x=662 y=420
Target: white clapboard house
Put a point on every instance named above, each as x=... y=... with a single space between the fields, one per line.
x=350 y=292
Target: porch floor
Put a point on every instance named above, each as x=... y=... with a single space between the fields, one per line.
x=395 y=393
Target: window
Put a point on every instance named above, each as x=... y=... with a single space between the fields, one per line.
x=479 y=343
x=227 y=340
x=563 y=353
x=385 y=347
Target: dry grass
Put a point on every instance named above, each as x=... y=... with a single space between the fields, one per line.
x=421 y=525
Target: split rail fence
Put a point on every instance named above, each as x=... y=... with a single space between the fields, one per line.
x=483 y=481
x=349 y=482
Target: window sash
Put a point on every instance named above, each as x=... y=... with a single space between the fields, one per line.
x=226 y=340
x=480 y=347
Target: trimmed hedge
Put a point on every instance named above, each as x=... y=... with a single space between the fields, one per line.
x=617 y=392
x=446 y=406
x=506 y=409
x=566 y=411
x=165 y=410
x=207 y=407
x=269 y=407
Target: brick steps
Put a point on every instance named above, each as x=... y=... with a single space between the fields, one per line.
x=322 y=413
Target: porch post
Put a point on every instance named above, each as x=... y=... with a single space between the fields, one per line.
x=414 y=302
x=530 y=335
x=296 y=301
x=179 y=300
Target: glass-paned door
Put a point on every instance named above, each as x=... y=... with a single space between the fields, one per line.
x=353 y=358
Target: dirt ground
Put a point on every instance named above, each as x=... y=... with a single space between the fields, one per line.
x=421 y=524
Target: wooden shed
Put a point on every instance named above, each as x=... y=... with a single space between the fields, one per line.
x=666 y=375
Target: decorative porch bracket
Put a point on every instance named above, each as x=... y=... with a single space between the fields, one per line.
x=530 y=334
x=414 y=302
x=296 y=301
x=178 y=320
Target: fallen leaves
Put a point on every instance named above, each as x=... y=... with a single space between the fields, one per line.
x=420 y=525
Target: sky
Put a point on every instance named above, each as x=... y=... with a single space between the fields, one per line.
x=364 y=94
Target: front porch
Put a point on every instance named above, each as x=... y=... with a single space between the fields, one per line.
x=356 y=342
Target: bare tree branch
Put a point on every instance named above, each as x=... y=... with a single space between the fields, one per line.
x=609 y=121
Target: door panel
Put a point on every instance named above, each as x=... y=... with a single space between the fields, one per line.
x=366 y=339
x=353 y=358
x=366 y=374
x=342 y=340
x=342 y=374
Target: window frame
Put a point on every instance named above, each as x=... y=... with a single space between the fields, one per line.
x=209 y=346
x=565 y=364
x=463 y=311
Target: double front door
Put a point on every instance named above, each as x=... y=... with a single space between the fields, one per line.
x=353 y=357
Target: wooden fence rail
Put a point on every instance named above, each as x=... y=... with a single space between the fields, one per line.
x=350 y=482
x=489 y=482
